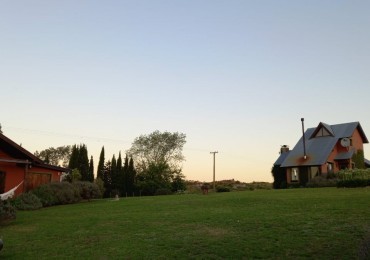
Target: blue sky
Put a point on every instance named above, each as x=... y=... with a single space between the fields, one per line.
x=234 y=76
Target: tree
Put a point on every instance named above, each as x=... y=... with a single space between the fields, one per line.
x=79 y=160
x=158 y=158
x=91 y=170
x=1 y=131
x=83 y=163
x=178 y=183
x=158 y=148
x=155 y=177
x=55 y=156
x=100 y=170
x=130 y=175
x=107 y=179
x=73 y=161
x=114 y=175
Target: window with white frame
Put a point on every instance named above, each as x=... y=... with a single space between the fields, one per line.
x=330 y=167
x=294 y=174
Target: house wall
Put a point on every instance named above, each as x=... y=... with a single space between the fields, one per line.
x=357 y=141
x=357 y=144
x=35 y=176
x=14 y=174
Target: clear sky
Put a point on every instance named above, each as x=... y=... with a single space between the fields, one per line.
x=234 y=76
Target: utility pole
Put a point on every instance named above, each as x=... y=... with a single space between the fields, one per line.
x=214 y=169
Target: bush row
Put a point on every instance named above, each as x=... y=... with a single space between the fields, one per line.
x=353 y=183
x=57 y=193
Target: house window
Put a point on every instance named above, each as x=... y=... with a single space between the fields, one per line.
x=294 y=174
x=315 y=171
x=330 y=167
x=323 y=132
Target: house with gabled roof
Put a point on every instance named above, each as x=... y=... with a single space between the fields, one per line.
x=320 y=151
x=21 y=171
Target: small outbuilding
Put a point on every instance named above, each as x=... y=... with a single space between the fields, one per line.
x=21 y=171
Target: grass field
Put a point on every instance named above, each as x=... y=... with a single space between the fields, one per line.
x=326 y=223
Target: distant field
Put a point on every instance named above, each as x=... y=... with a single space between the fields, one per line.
x=326 y=223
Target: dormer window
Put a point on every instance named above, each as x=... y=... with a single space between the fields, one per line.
x=323 y=132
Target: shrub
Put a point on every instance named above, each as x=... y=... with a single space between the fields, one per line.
x=57 y=193
x=353 y=183
x=7 y=211
x=27 y=201
x=222 y=189
x=65 y=192
x=352 y=178
x=88 y=190
x=320 y=181
x=46 y=195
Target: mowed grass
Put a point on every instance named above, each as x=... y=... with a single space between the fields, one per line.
x=325 y=223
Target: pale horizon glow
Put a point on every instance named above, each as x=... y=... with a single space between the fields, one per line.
x=234 y=76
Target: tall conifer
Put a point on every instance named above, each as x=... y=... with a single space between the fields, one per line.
x=101 y=165
x=131 y=175
x=73 y=161
x=83 y=161
x=91 y=170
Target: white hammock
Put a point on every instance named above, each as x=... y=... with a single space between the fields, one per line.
x=10 y=193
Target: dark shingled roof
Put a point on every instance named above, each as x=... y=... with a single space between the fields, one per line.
x=281 y=158
x=318 y=149
x=23 y=156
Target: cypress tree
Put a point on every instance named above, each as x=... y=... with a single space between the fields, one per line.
x=83 y=160
x=114 y=174
x=107 y=179
x=73 y=161
x=101 y=165
x=131 y=174
x=124 y=175
x=91 y=170
x=120 y=175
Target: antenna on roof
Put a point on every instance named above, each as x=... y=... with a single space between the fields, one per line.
x=304 y=140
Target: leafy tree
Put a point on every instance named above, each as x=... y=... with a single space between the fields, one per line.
x=56 y=156
x=100 y=170
x=75 y=175
x=178 y=183
x=158 y=158
x=155 y=177
x=158 y=148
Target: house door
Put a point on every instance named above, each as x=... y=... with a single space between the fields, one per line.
x=2 y=182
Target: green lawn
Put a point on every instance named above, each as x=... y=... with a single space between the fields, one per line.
x=326 y=223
